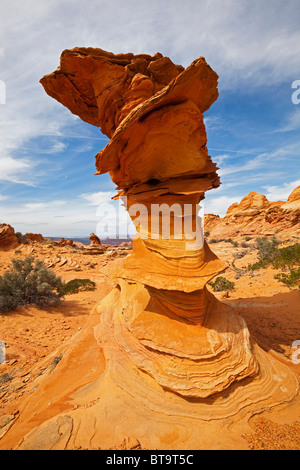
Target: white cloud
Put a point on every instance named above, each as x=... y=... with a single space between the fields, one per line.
x=17 y=170
x=281 y=192
x=100 y=197
x=37 y=206
x=292 y=122
x=219 y=204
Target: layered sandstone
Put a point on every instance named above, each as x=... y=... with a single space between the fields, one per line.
x=8 y=238
x=161 y=363
x=255 y=215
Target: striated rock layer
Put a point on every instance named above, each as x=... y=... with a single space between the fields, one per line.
x=161 y=363
x=255 y=215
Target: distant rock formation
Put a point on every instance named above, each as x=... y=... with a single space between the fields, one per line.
x=95 y=241
x=8 y=238
x=256 y=216
x=35 y=237
x=66 y=242
x=161 y=364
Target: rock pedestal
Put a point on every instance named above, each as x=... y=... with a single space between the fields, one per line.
x=161 y=363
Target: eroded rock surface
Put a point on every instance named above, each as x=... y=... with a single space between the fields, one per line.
x=255 y=215
x=8 y=239
x=161 y=363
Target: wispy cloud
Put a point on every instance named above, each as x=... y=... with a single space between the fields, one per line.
x=37 y=206
x=281 y=192
x=100 y=197
x=291 y=122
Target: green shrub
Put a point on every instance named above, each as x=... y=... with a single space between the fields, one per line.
x=269 y=254
x=28 y=283
x=290 y=279
x=22 y=238
x=227 y=240
x=78 y=285
x=267 y=248
x=221 y=283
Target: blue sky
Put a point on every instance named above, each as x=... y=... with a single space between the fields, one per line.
x=47 y=181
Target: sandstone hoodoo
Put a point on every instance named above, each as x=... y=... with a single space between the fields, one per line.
x=161 y=364
x=95 y=241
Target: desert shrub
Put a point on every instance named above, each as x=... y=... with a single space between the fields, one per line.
x=269 y=254
x=290 y=279
x=206 y=234
x=244 y=245
x=287 y=257
x=221 y=283
x=227 y=240
x=247 y=239
x=240 y=254
x=267 y=248
x=78 y=285
x=22 y=238
x=29 y=283
x=5 y=377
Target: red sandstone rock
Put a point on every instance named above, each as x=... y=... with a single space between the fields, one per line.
x=65 y=242
x=8 y=239
x=35 y=237
x=95 y=241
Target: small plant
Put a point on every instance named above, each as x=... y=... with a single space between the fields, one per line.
x=22 y=238
x=28 y=283
x=244 y=245
x=226 y=240
x=266 y=248
x=4 y=378
x=240 y=254
x=221 y=284
x=290 y=279
x=78 y=285
x=55 y=361
x=269 y=254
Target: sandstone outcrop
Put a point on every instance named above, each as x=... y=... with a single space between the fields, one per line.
x=95 y=241
x=255 y=215
x=66 y=242
x=161 y=363
x=8 y=238
x=35 y=237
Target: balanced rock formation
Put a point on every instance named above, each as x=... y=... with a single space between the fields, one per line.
x=161 y=364
x=255 y=215
x=95 y=241
x=8 y=238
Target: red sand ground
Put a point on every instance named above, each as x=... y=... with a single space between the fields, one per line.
x=270 y=309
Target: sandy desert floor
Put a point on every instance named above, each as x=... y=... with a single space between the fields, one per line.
x=33 y=336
